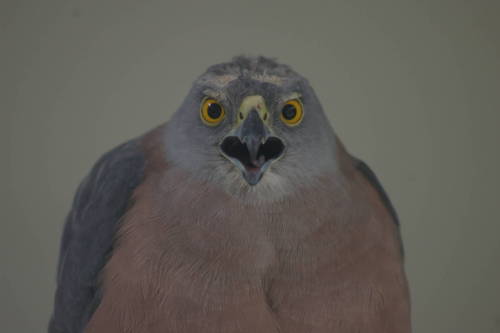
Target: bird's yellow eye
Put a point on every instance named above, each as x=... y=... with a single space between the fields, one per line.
x=211 y=112
x=292 y=112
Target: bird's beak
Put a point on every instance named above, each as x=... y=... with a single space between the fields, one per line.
x=251 y=145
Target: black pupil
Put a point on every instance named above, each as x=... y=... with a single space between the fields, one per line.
x=214 y=110
x=289 y=111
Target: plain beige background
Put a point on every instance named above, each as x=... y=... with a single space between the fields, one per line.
x=412 y=87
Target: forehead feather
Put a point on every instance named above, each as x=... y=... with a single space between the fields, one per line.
x=260 y=68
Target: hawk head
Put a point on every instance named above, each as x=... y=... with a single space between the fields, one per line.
x=252 y=125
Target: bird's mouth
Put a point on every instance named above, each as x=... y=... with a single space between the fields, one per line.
x=252 y=157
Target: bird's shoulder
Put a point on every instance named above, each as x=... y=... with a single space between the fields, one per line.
x=357 y=168
x=362 y=177
x=99 y=204
x=372 y=179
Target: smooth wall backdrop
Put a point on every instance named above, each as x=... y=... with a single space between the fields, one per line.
x=412 y=87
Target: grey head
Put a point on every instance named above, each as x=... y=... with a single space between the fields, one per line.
x=254 y=127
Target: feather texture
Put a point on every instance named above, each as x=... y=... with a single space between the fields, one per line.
x=100 y=202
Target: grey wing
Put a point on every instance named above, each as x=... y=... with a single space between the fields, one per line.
x=375 y=183
x=100 y=202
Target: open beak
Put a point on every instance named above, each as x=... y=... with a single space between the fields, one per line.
x=252 y=148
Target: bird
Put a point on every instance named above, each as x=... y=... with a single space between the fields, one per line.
x=243 y=212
